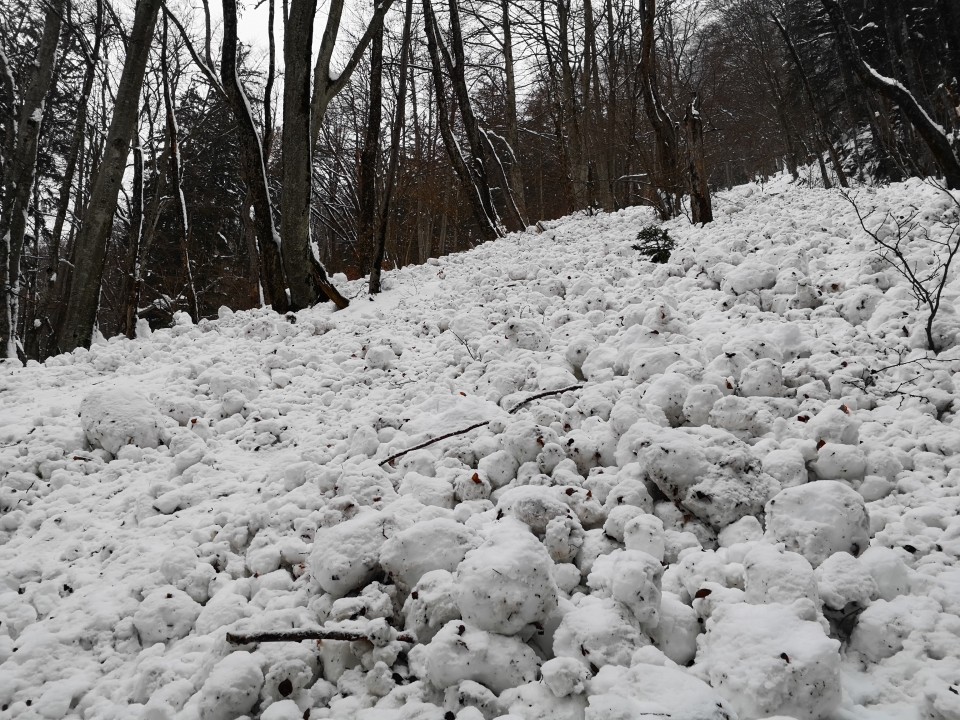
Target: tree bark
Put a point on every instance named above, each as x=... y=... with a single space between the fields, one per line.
x=666 y=158
x=510 y=113
x=367 y=175
x=396 y=137
x=701 y=208
x=20 y=170
x=306 y=277
x=252 y=168
x=183 y=218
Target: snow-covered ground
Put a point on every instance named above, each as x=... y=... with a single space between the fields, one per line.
x=745 y=506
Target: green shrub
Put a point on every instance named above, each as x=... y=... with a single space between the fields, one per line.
x=655 y=243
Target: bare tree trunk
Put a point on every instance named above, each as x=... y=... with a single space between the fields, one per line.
x=665 y=150
x=367 y=180
x=83 y=291
x=701 y=208
x=510 y=112
x=20 y=169
x=478 y=191
x=572 y=114
x=183 y=219
x=306 y=277
x=252 y=168
x=132 y=278
x=396 y=137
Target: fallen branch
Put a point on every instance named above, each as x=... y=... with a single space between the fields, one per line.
x=396 y=456
x=316 y=634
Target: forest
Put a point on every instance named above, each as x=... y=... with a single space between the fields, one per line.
x=153 y=163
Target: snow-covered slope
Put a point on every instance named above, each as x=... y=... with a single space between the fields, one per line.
x=744 y=504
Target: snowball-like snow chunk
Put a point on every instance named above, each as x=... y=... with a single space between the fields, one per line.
x=743 y=530
x=346 y=556
x=839 y=462
x=843 y=580
x=380 y=357
x=699 y=402
x=786 y=466
x=535 y=701
x=461 y=651
x=165 y=614
x=888 y=570
x=533 y=505
x=645 y=532
x=505 y=584
x=761 y=378
x=882 y=627
x=113 y=416
x=773 y=576
x=631 y=577
x=232 y=688
x=772 y=660
x=598 y=632
x=437 y=544
x=564 y=676
x=668 y=392
x=431 y=604
x=834 y=425
x=651 y=691
x=428 y=490
x=676 y=633
x=749 y=275
x=819 y=519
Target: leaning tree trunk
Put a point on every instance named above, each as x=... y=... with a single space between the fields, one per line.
x=252 y=169
x=306 y=277
x=20 y=169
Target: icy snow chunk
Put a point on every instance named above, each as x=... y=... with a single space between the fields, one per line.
x=536 y=701
x=888 y=570
x=750 y=275
x=786 y=466
x=435 y=491
x=645 y=533
x=346 y=556
x=819 y=519
x=668 y=392
x=165 y=614
x=839 y=462
x=648 y=362
x=699 y=402
x=505 y=584
x=598 y=632
x=676 y=633
x=436 y=544
x=843 y=580
x=884 y=626
x=761 y=378
x=534 y=505
x=431 y=604
x=232 y=688
x=461 y=651
x=771 y=660
x=743 y=530
x=380 y=357
x=564 y=676
x=651 y=691
x=499 y=468
x=774 y=576
x=834 y=425
x=113 y=416
x=631 y=577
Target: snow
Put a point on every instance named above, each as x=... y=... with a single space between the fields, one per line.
x=739 y=497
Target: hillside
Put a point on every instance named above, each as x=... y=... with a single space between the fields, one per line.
x=745 y=504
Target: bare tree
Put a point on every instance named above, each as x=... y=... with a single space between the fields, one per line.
x=20 y=165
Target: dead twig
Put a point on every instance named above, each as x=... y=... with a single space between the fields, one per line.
x=296 y=635
x=396 y=456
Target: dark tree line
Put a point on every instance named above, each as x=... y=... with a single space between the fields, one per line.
x=150 y=162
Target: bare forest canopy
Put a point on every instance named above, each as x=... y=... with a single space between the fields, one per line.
x=150 y=163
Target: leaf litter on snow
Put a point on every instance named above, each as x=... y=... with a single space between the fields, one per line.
x=745 y=507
